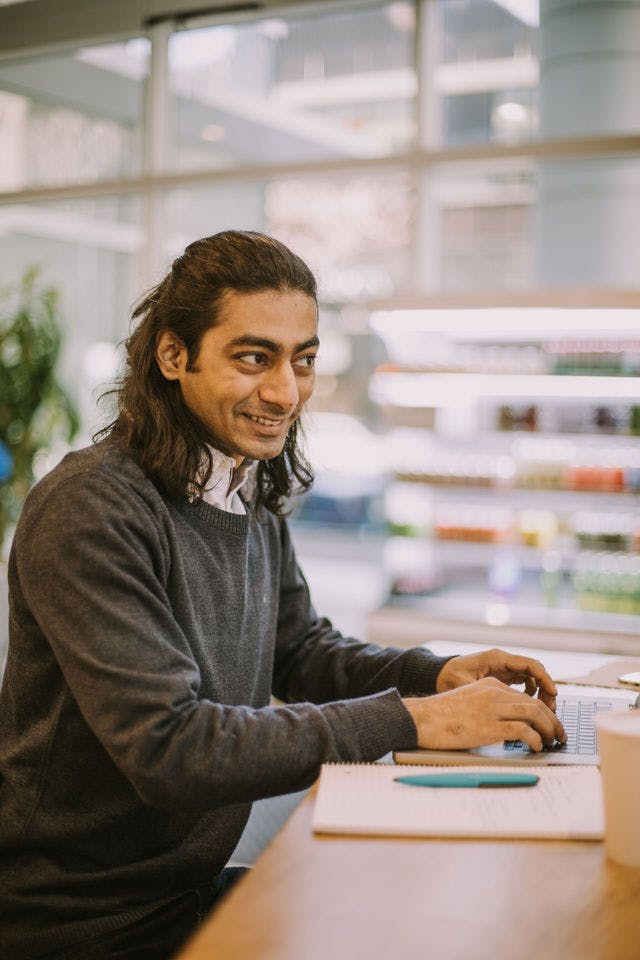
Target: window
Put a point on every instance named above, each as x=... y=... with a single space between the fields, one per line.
x=403 y=148
x=485 y=72
x=318 y=86
x=87 y=250
x=72 y=117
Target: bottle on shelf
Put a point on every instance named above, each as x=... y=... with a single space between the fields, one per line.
x=537 y=528
x=608 y=582
x=551 y=577
x=471 y=523
x=595 y=530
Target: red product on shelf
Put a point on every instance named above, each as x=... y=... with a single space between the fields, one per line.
x=608 y=479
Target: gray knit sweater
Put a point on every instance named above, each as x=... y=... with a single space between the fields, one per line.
x=146 y=637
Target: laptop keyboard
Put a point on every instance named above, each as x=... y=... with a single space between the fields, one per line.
x=577 y=719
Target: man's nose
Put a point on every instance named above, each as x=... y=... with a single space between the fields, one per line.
x=279 y=387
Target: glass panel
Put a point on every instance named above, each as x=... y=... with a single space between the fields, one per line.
x=354 y=232
x=517 y=224
x=589 y=69
x=509 y=224
x=304 y=87
x=475 y=225
x=587 y=226
x=485 y=70
x=86 y=250
x=193 y=212
x=72 y=117
x=506 y=71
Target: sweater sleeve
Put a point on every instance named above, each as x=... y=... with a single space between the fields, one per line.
x=91 y=569
x=315 y=662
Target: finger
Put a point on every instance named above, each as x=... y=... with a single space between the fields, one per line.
x=558 y=731
x=535 y=714
x=530 y=686
x=523 y=668
x=546 y=685
x=517 y=730
x=548 y=700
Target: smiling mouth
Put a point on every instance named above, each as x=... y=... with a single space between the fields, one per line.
x=264 y=421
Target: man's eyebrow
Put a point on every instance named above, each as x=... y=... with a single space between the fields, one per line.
x=251 y=341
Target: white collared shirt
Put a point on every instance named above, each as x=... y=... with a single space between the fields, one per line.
x=227 y=480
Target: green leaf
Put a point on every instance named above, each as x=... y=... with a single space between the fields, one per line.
x=35 y=411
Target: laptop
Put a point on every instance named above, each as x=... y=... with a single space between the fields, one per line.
x=577 y=714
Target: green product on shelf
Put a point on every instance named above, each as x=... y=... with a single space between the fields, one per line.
x=405 y=529
x=608 y=583
x=550 y=582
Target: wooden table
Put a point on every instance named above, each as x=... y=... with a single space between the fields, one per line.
x=358 y=898
x=326 y=898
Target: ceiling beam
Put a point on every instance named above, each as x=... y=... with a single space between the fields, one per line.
x=27 y=29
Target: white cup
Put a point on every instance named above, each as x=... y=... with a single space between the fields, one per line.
x=619 y=745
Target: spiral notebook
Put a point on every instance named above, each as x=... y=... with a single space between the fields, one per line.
x=364 y=799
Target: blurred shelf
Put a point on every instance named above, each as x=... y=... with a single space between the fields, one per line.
x=343 y=541
x=445 y=396
x=512 y=316
x=483 y=553
x=552 y=498
x=585 y=441
x=444 y=389
x=463 y=616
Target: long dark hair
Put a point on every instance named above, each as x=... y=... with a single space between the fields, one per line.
x=153 y=422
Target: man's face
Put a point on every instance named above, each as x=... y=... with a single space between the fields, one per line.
x=254 y=371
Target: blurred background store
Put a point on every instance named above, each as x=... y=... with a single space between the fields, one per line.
x=464 y=178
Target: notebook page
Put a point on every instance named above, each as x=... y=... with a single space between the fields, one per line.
x=364 y=799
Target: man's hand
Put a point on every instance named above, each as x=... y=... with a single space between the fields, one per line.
x=481 y=712
x=504 y=666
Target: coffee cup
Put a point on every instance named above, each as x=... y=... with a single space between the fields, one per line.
x=619 y=747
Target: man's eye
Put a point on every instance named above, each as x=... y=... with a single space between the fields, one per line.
x=254 y=359
x=308 y=362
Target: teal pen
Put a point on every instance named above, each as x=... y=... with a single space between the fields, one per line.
x=470 y=780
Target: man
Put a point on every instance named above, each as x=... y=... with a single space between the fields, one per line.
x=156 y=605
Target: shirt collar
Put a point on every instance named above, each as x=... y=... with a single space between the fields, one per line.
x=227 y=478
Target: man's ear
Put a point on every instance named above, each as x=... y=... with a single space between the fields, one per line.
x=171 y=355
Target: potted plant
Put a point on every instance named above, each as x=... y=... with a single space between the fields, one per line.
x=35 y=412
